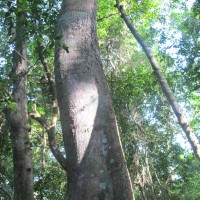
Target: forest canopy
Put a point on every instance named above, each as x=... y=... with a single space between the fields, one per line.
x=160 y=158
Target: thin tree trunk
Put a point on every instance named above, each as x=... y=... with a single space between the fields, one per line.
x=43 y=155
x=50 y=129
x=50 y=125
x=18 y=118
x=95 y=160
x=165 y=86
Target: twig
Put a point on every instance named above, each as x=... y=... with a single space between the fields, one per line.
x=105 y=17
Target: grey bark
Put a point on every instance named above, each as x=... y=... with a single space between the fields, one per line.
x=95 y=161
x=192 y=138
x=18 y=118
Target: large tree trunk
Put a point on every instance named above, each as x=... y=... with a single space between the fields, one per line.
x=18 y=119
x=95 y=160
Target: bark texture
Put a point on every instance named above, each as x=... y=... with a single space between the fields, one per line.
x=18 y=118
x=95 y=160
x=194 y=142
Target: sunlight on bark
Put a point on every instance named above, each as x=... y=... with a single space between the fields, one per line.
x=84 y=108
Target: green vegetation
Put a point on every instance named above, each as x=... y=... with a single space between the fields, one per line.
x=162 y=166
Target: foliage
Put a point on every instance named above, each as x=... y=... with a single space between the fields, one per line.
x=160 y=167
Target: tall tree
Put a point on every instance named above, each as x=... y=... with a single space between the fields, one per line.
x=17 y=116
x=182 y=120
x=95 y=160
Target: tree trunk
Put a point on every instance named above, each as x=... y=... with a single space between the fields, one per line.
x=18 y=118
x=192 y=138
x=95 y=160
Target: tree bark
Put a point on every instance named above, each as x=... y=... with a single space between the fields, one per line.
x=192 y=138
x=17 y=116
x=95 y=160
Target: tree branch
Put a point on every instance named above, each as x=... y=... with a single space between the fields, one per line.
x=105 y=17
x=50 y=127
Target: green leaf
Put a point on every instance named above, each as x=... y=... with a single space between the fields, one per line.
x=51 y=45
x=58 y=37
x=55 y=37
x=41 y=110
x=12 y=105
x=65 y=47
